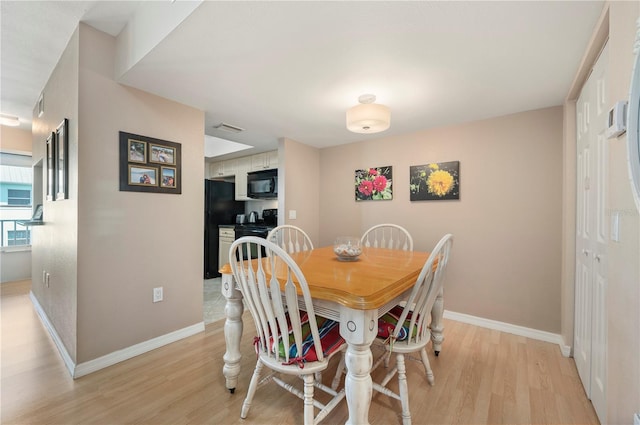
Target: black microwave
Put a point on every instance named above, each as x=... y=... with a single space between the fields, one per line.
x=263 y=184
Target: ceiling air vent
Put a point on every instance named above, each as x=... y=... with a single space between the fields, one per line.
x=228 y=127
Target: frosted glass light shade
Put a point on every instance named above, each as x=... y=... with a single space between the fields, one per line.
x=368 y=118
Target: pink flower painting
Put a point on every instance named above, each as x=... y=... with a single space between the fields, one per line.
x=373 y=184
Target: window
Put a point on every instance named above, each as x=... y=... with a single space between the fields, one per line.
x=18 y=197
x=16 y=193
x=18 y=237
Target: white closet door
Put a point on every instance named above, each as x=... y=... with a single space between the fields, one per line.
x=592 y=236
x=583 y=292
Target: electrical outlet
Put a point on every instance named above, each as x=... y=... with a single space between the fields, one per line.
x=293 y=214
x=157 y=294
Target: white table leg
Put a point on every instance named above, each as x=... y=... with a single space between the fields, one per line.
x=232 y=331
x=359 y=328
x=437 y=327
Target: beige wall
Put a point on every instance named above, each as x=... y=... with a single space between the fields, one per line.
x=623 y=293
x=15 y=140
x=116 y=246
x=300 y=166
x=506 y=263
x=54 y=246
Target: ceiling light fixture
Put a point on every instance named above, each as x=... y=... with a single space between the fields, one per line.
x=10 y=120
x=368 y=117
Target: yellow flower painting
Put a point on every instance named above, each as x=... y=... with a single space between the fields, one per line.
x=435 y=181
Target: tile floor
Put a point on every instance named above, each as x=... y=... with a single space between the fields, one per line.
x=213 y=308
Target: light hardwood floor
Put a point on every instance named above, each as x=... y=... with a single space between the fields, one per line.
x=482 y=377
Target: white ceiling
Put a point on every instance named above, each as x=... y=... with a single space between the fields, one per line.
x=292 y=69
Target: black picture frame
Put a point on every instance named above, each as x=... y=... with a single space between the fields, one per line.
x=51 y=166
x=62 y=160
x=435 y=181
x=162 y=160
x=38 y=213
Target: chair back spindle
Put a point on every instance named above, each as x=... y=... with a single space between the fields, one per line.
x=290 y=238
x=390 y=236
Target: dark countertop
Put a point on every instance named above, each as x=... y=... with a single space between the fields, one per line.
x=246 y=225
x=259 y=224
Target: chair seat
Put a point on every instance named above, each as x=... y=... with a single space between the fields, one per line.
x=389 y=321
x=330 y=339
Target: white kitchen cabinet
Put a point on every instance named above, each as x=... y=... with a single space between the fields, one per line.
x=243 y=166
x=230 y=167
x=264 y=161
x=216 y=169
x=258 y=161
x=273 y=159
x=226 y=238
x=223 y=168
x=239 y=168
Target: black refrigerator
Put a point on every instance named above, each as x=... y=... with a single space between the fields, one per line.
x=220 y=207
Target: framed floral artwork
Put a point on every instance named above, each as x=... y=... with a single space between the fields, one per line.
x=435 y=181
x=374 y=184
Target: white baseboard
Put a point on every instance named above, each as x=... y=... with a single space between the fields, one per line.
x=68 y=361
x=110 y=359
x=135 y=350
x=509 y=328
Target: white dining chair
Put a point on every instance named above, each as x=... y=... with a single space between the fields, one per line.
x=291 y=339
x=389 y=236
x=290 y=238
x=405 y=328
x=386 y=235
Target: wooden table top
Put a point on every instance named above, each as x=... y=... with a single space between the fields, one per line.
x=378 y=276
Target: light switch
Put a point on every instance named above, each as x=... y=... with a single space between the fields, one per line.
x=615 y=226
x=292 y=214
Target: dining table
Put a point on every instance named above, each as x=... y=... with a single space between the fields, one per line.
x=354 y=293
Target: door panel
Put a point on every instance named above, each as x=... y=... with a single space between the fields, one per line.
x=582 y=338
x=590 y=334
